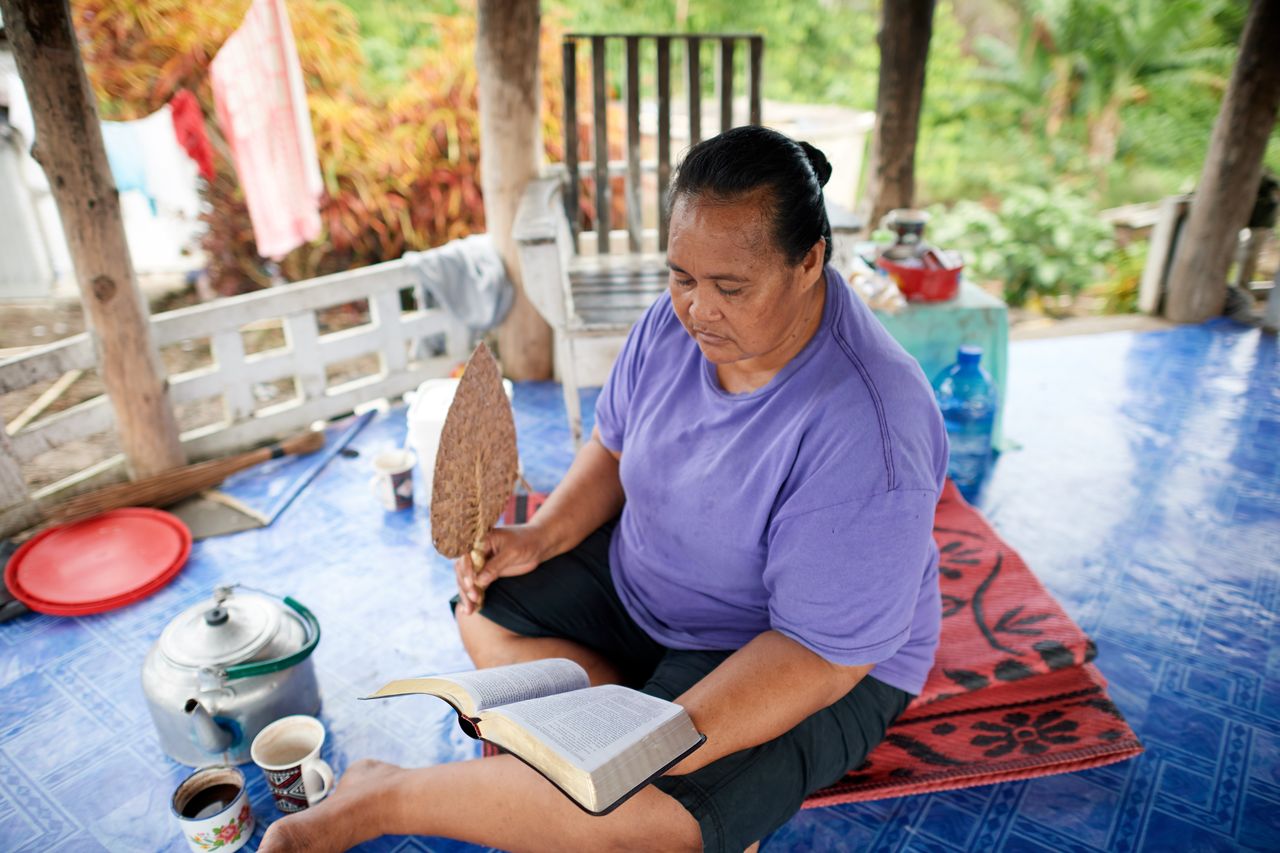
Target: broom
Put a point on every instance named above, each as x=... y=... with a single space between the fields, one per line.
x=178 y=483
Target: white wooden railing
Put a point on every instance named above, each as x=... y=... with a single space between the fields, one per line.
x=391 y=335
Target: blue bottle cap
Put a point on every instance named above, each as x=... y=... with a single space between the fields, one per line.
x=969 y=354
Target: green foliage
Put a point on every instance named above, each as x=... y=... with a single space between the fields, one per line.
x=946 y=167
x=816 y=51
x=1042 y=244
x=1118 y=96
x=974 y=230
x=1124 y=274
x=399 y=37
x=1015 y=93
x=1095 y=102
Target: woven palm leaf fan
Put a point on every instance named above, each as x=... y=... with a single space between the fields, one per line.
x=476 y=464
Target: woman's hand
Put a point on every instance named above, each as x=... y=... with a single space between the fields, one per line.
x=589 y=495
x=514 y=550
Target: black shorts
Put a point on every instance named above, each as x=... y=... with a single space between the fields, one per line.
x=740 y=798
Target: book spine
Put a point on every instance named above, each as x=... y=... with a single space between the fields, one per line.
x=470 y=726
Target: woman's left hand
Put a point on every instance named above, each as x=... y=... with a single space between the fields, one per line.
x=508 y=551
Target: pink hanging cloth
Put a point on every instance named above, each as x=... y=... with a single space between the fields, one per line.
x=188 y=126
x=262 y=107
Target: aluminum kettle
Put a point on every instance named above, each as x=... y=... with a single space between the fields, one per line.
x=225 y=668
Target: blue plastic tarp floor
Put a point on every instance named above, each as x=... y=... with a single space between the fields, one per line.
x=1145 y=494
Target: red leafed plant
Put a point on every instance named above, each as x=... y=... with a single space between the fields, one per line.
x=400 y=168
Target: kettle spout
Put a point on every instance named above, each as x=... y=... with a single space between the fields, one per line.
x=211 y=736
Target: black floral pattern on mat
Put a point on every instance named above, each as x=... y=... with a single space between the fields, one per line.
x=1033 y=737
x=961 y=550
x=956 y=555
x=922 y=751
x=967 y=679
x=1054 y=654
x=980 y=616
x=1012 y=670
x=1103 y=704
x=1012 y=622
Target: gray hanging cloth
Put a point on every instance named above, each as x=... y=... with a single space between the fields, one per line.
x=467 y=278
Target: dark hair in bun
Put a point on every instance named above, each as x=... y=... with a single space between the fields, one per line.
x=751 y=158
x=818 y=160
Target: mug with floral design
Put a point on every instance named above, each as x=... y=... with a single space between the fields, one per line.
x=211 y=807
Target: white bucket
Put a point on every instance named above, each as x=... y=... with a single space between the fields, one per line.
x=428 y=408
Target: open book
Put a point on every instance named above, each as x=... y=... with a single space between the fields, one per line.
x=599 y=745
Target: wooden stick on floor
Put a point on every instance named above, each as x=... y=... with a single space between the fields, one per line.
x=44 y=401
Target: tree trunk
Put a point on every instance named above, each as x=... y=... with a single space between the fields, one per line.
x=905 y=29
x=1061 y=95
x=1229 y=182
x=69 y=147
x=510 y=154
x=1104 y=134
x=1104 y=140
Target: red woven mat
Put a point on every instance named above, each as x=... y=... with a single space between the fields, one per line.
x=1012 y=694
x=521 y=507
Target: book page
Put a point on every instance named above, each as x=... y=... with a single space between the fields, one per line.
x=501 y=685
x=594 y=725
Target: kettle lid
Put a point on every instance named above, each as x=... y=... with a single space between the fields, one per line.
x=220 y=631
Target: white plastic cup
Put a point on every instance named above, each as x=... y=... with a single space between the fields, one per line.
x=392 y=481
x=428 y=408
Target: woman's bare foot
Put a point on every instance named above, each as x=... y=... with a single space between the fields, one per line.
x=352 y=814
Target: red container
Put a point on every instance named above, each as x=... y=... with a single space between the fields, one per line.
x=921 y=284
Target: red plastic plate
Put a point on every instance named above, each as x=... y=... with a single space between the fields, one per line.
x=99 y=564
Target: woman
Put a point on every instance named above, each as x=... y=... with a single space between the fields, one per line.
x=748 y=533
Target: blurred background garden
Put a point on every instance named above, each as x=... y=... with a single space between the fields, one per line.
x=1038 y=116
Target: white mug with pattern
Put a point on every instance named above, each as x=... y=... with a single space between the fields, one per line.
x=288 y=751
x=211 y=807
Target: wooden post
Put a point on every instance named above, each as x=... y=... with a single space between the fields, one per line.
x=600 y=147
x=1229 y=182
x=69 y=147
x=569 y=68
x=905 y=29
x=1271 y=315
x=17 y=510
x=510 y=155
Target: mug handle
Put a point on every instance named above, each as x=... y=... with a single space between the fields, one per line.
x=379 y=484
x=325 y=772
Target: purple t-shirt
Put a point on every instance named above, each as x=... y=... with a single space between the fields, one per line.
x=805 y=506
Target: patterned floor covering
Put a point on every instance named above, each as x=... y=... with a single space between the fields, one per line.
x=1145 y=495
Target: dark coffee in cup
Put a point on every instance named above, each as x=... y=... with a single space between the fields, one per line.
x=208 y=802
x=211 y=807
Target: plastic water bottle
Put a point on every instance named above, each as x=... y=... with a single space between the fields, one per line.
x=968 y=400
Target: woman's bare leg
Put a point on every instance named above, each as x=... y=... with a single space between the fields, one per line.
x=489 y=644
x=498 y=802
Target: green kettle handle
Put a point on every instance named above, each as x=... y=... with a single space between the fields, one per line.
x=266 y=667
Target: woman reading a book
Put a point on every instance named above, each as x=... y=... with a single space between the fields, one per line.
x=747 y=534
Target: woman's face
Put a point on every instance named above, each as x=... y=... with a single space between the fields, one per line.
x=732 y=288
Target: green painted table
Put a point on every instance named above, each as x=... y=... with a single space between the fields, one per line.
x=931 y=332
